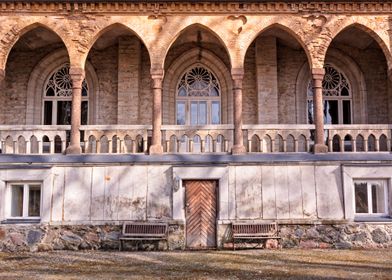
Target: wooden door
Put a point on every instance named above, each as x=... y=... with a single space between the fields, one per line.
x=201 y=202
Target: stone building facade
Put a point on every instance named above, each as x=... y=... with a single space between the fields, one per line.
x=110 y=109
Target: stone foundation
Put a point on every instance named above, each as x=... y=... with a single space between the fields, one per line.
x=17 y=238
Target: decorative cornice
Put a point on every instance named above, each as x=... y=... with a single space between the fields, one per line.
x=191 y=7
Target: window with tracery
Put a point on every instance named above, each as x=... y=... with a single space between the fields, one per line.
x=198 y=98
x=57 y=100
x=337 y=98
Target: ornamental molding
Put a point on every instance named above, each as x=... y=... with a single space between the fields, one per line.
x=196 y=8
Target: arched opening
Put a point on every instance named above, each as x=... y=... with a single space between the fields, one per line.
x=173 y=144
x=371 y=143
x=196 y=144
x=267 y=144
x=104 y=145
x=21 y=145
x=255 y=144
x=271 y=67
x=92 y=145
x=302 y=147
x=348 y=143
x=336 y=145
x=290 y=143
x=208 y=144
x=31 y=48
x=279 y=144
x=184 y=144
x=360 y=143
x=127 y=144
x=45 y=145
x=58 y=145
x=197 y=85
x=358 y=56
x=122 y=64
x=220 y=144
x=139 y=144
x=383 y=142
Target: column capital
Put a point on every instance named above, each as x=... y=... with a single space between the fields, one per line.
x=318 y=73
x=237 y=73
x=156 y=71
x=77 y=75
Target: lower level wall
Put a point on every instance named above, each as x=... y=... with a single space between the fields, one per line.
x=106 y=237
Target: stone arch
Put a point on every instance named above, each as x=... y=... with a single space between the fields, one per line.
x=355 y=76
x=37 y=80
x=183 y=30
x=21 y=28
x=254 y=33
x=107 y=28
x=179 y=66
x=362 y=24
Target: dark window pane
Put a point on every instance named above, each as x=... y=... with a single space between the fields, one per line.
x=331 y=115
x=34 y=200
x=48 y=109
x=344 y=92
x=50 y=92
x=310 y=112
x=180 y=113
x=346 y=112
x=361 y=198
x=84 y=116
x=64 y=112
x=17 y=200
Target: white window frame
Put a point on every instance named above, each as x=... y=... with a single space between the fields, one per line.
x=55 y=99
x=369 y=182
x=339 y=99
x=8 y=200
x=189 y=99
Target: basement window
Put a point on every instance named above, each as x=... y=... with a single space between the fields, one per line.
x=24 y=200
x=371 y=198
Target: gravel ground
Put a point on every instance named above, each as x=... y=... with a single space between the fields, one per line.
x=245 y=264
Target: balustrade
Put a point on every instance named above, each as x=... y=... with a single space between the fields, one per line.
x=133 y=139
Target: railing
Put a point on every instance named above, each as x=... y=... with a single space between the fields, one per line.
x=132 y=139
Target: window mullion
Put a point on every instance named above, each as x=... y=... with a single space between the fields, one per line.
x=369 y=197
x=25 y=213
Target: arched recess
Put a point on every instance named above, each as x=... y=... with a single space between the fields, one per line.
x=271 y=64
x=38 y=78
x=346 y=65
x=185 y=36
x=372 y=103
x=185 y=61
x=21 y=29
x=273 y=26
x=27 y=52
x=122 y=63
x=353 y=23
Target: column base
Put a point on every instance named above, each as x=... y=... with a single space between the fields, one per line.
x=320 y=149
x=156 y=150
x=73 y=150
x=238 y=150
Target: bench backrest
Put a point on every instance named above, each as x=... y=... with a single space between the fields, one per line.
x=270 y=229
x=144 y=229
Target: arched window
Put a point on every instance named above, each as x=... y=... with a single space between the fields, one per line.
x=57 y=99
x=198 y=98
x=337 y=98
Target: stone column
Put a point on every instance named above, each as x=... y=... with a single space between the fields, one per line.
x=238 y=147
x=156 y=145
x=318 y=76
x=77 y=77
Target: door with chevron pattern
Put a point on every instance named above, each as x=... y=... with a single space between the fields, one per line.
x=201 y=200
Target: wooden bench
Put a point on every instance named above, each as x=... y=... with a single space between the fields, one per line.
x=143 y=231
x=254 y=231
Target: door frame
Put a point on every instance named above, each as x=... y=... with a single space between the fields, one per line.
x=216 y=211
x=226 y=199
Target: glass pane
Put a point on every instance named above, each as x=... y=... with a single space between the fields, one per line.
x=180 y=113
x=361 y=198
x=203 y=112
x=17 y=200
x=48 y=109
x=344 y=92
x=215 y=112
x=378 y=198
x=331 y=113
x=34 y=200
x=64 y=112
x=310 y=112
x=194 y=113
x=84 y=115
x=182 y=91
x=346 y=112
